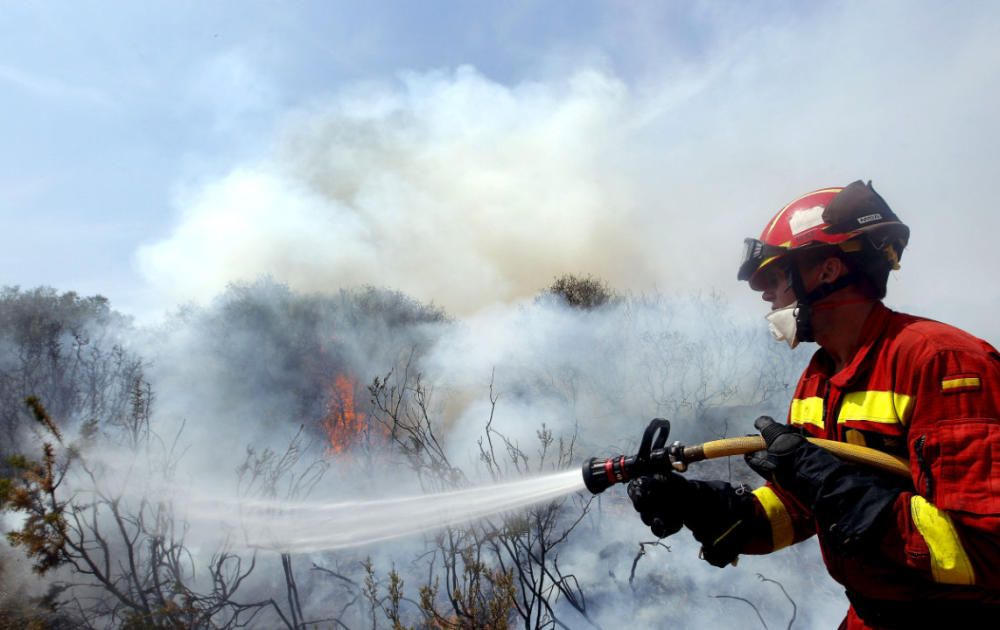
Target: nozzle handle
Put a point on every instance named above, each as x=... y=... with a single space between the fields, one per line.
x=653 y=438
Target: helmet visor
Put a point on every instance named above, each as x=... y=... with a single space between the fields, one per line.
x=755 y=254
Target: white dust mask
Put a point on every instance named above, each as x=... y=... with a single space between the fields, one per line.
x=781 y=321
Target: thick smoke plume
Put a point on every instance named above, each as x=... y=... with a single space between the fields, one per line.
x=463 y=190
x=460 y=190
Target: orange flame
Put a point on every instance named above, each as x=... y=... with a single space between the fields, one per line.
x=343 y=425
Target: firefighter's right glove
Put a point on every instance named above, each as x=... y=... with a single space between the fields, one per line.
x=719 y=516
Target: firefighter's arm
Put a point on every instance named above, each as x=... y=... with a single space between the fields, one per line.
x=949 y=529
x=728 y=520
x=786 y=520
x=846 y=501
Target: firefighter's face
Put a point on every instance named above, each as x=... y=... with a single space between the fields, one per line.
x=776 y=288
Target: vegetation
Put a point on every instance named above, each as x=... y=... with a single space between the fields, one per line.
x=74 y=389
x=583 y=292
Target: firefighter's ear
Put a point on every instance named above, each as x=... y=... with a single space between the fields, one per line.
x=831 y=269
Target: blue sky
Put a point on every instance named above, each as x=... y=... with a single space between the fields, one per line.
x=640 y=141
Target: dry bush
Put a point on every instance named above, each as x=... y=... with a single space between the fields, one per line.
x=581 y=292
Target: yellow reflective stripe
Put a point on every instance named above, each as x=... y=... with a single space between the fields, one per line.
x=774 y=221
x=949 y=564
x=767 y=261
x=954 y=383
x=781 y=521
x=807 y=411
x=872 y=406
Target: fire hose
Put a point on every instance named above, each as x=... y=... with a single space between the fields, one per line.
x=655 y=456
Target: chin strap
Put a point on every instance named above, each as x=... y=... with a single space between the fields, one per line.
x=805 y=301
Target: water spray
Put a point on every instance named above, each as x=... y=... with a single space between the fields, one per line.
x=655 y=456
x=311 y=526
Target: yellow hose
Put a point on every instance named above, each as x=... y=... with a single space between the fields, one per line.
x=853 y=453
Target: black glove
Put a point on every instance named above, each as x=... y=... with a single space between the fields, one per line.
x=719 y=515
x=846 y=500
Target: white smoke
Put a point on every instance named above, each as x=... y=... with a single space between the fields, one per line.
x=466 y=191
x=453 y=187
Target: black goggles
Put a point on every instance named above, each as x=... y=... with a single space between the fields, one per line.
x=755 y=252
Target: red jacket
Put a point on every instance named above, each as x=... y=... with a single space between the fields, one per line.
x=931 y=393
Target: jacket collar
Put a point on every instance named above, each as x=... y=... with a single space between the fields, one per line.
x=871 y=333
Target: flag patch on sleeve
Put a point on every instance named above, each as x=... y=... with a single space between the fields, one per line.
x=960 y=383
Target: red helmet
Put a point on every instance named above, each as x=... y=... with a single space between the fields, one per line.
x=829 y=216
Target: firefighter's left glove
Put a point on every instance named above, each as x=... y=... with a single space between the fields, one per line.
x=719 y=515
x=847 y=501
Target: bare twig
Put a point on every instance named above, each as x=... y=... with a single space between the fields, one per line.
x=640 y=554
x=747 y=602
x=787 y=596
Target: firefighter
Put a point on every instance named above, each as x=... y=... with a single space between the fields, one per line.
x=908 y=554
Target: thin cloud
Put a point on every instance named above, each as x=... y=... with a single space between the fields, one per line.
x=54 y=89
